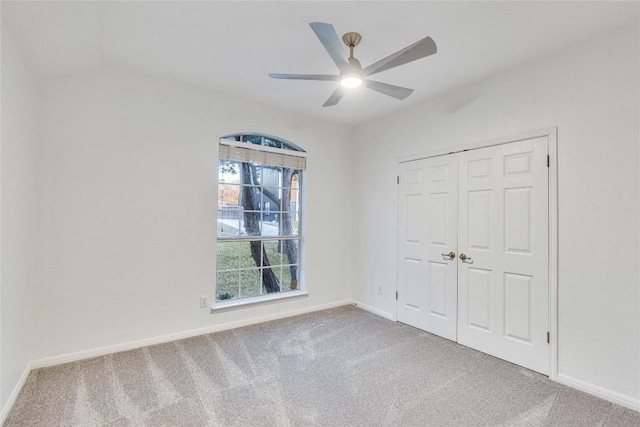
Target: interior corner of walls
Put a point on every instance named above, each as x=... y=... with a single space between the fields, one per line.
x=374 y=310
x=11 y=400
x=18 y=200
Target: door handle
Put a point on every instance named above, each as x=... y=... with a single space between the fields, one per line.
x=463 y=257
x=450 y=255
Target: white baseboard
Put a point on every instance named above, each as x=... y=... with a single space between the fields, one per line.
x=14 y=394
x=131 y=345
x=603 y=393
x=375 y=311
x=600 y=392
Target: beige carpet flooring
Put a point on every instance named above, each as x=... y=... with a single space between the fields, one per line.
x=339 y=367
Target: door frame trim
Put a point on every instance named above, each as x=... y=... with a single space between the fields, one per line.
x=551 y=134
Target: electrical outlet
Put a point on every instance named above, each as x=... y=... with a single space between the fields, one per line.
x=204 y=301
x=380 y=289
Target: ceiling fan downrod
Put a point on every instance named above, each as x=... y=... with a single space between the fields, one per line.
x=352 y=40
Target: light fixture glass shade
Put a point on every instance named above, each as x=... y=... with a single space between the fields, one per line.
x=351 y=80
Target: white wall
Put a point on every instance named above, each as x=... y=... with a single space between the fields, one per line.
x=591 y=92
x=17 y=214
x=126 y=202
x=127 y=223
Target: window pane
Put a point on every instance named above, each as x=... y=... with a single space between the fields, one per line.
x=251 y=198
x=270 y=224
x=291 y=177
x=250 y=223
x=291 y=251
x=258 y=223
x=271 y=252
x=228 y=195
x=295 y=222
x=272 y=143
x=256 y=174
x=284 y=285
x=229 y=172
x=294 y=203
x=250 y=283
x=228 y=223
x=270 y=199
x=285 y=195
x=290 y=225
x=286 y=281
x=227 y=256
x=271 y=177
x=252 y=139
x=246 y=258
x=270 y=280
x=227 y=285
x=295 y=178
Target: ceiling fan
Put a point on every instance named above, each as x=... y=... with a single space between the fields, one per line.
x=351 y=72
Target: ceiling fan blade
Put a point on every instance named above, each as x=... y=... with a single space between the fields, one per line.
x=335 y=97
x=323 y=77
x=387 y=89
x=329 y=39
x=418 y=50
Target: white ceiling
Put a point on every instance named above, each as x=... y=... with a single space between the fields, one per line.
x=231 y=46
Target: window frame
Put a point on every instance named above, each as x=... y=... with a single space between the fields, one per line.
x=237 y=140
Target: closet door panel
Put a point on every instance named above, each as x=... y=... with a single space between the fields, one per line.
x=427 y=235
x=503 y=288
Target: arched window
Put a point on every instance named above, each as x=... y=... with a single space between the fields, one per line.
x=259 y=217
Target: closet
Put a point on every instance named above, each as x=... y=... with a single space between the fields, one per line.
x=473 y=249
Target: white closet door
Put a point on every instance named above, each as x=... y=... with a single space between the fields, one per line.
x=427 y=275
x=503 y=295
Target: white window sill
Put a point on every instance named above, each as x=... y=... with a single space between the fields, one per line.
x=261 y=300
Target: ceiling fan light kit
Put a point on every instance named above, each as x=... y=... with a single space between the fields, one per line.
x=352 y=74
x=351 y=80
